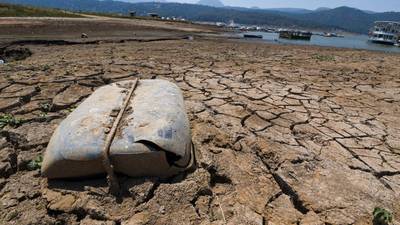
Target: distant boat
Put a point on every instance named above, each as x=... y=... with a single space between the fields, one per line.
x=252 y=36
x=294 y=34
x=385 y=32
x=332 y=35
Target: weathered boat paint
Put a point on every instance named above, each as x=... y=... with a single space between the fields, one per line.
x=153 y=138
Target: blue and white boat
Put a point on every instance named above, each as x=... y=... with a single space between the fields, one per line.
x=385 y=32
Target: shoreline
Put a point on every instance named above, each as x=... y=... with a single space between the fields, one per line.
x=53 y=28
x=369 y=46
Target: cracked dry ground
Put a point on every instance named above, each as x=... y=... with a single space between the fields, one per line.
x=283 y=134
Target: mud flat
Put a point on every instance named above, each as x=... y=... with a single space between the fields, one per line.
x=96 y=27
x=283 y=134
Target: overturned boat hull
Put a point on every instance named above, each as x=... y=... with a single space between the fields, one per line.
x=152 y=139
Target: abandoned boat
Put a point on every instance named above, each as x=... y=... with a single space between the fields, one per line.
x=385 y=32
x=137 y=128
x=295 y=35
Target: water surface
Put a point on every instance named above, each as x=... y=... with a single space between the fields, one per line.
x=349 y=41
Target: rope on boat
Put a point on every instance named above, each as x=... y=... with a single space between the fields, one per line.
x=109 y=168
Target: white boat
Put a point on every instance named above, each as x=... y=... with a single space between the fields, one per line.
x=385 y=32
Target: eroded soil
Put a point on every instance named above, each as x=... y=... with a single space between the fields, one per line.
x=283 y=134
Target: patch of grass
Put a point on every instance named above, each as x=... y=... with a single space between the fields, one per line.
x=43 y=115
x=12 y=215
x=7 y=10
x=45 y=107
x=46 y=67
x=8 y=119
x=324 y=57
x=71 y=109
x=382 y=216
x=35 y=163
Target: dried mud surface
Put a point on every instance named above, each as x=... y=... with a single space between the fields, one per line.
x=95 y=27
x=283 y=134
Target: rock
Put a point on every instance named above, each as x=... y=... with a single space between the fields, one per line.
x=3 y=142
x=141 y=218
x=32 y=135
x=20 y=188
x=216 y=150
x=91 y=207
x=203 y=206
x=24 y=158
x=15 y=53
x=69 y=97
x=161 y=210
x=40 y=220
x=59 y=202
x=172 y=202
x=140 y=189
x=215 y=222
x=194 y=106
x=25 y=93
x=244 y=215
x=311 y=218
x=2 y=183
x=11 y=215
x=5 y=169
x=205 y=134
x=88 y=221
x=8 y=103
x=8 y=201
x=282 y=211
x=65 y=204
x=8 y=162
x=256 y=123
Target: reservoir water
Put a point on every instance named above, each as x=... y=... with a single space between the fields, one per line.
x=349 y=41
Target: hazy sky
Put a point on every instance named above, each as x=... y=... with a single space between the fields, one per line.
x=375 y=5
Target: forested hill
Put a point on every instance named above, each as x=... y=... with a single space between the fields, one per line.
x=350 y=19
x=188 y=11
x=344 y=18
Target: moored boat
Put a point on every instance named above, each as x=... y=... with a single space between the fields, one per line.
x=252 y=36
x=294 y=34
x=326 y=34
x=385 y=32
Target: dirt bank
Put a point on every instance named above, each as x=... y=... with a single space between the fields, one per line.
x=283 y=134
x=17 y=28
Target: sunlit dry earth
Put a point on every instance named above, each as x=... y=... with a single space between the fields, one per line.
x=283 y=134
